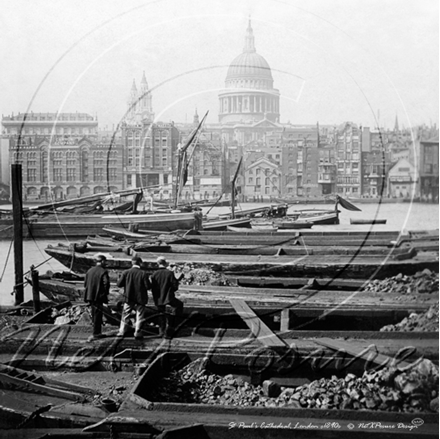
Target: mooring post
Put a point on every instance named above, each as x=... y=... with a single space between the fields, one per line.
x=35 y=289
x=16 y=192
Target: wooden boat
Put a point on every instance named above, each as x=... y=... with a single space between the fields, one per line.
x=355 y=266
x=315 y=216
x=223 y=224
x=295 y=225
x=247 y=236
x=368 y=221
x=84 y=225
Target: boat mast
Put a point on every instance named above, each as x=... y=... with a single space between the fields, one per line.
x=182 y=162
x=233 y=189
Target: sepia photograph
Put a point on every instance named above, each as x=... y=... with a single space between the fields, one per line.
x=219 y=219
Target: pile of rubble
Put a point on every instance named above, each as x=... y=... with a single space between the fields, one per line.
x=69 y=315
x=200 y=276
x=423 y=322
x=422 y=283
x=389 y=389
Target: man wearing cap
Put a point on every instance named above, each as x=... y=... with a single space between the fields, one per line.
x=136 y=284
x=163 y=286
x=97 y=287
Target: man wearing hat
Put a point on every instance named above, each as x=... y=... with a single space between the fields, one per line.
x=97 y=287
x=136 y=285
x=163 y=286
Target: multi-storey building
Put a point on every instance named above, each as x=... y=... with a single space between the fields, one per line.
x=150 y=151
x=149 y=147
x=348 y=159
x=429 y=169
x=327 y=169
x=60 y=154
x=262 y=179
x=402 y=180
x=375 y=163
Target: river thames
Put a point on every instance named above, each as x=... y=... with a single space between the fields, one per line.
x=399 y=216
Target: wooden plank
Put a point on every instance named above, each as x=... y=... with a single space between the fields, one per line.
x=29 y=386
x=263 y=333
x=358 y=350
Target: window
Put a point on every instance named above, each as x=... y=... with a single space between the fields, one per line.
x=258 y=181
x=258 y=171
x=129 y=180
x=71 y=174
x=250 y=180
x=403 y=169
x=31 y=175
x=98 y=174
x=57 y=175
x=113 y=174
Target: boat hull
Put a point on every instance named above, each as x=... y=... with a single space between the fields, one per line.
x=224 y=224
x=367 y=221
x=344 y=266
x=81 y=226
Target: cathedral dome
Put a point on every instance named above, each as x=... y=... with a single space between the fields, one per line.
x=249 y=95
x=249 y=69
x=249 y=65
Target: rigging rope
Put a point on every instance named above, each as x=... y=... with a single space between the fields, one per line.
x=7 y=259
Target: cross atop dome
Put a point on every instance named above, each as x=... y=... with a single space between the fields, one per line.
x=249 y=42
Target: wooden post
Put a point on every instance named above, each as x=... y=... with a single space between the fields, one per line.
x=285 y=320
x=35 y=289
x=16 y=191
x=233 y=200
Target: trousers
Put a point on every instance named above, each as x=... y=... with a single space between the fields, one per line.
x=97 y=312
x=140 y=318
x=168 y=321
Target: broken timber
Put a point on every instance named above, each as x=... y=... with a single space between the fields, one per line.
x=261 y=331
x=356 y=349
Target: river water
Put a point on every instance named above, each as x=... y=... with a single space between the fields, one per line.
x=399 y=216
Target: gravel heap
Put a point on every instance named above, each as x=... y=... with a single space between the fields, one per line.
x=423 y=322
x=200 y=276
x=385 y=390
x=422 y=283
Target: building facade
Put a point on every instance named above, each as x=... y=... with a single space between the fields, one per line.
x=60 y=155
x=348 y=160
x=429 y=169
x=402 y=180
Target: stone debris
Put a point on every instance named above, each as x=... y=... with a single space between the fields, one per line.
x=200 y=276
x=423 y=283
x=68 y=315
x=411 y=391
x=422 y=322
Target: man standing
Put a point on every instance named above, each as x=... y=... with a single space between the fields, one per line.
x=163 y=286
x=136 y=285
x=97 y=287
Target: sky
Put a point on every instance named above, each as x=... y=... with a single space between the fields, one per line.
x=365 y=61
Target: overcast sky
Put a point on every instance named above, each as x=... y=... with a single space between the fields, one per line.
x=331 y=60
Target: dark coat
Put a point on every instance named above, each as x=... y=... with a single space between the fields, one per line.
x=136 y=285
x=163 y=286
x=97 y=285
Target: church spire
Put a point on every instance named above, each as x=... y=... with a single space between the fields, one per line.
x=396 y=125
x=133 y=92
x=144 y=83
x=249 y=42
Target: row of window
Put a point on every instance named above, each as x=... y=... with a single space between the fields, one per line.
x=99 y=174
x=268 y=181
